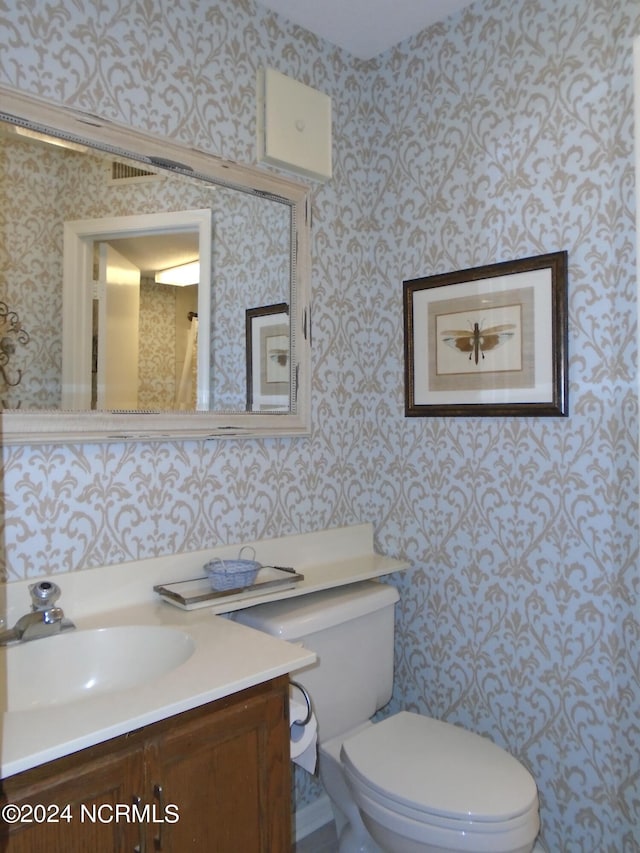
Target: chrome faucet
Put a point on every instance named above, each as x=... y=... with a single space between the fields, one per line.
x=43 y=620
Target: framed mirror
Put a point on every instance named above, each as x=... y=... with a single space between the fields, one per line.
x=99 y=339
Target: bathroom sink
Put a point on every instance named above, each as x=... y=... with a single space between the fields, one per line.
x=77 y=664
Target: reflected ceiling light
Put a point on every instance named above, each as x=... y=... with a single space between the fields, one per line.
x=50 y=140
x=180 y=276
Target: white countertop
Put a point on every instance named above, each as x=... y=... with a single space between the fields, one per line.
x=228 y=657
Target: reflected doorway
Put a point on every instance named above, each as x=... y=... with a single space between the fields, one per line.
x=135 y=340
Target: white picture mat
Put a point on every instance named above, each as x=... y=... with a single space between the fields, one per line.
x=540 y=281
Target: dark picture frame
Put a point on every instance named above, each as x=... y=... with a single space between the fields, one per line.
x=268 y=358
x=489 y=340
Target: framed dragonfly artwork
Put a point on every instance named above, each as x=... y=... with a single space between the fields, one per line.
x=489 y=340
x=268 y=358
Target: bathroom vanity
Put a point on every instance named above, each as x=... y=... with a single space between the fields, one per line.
x=194 y=757
x=216 y=778
x=178 y=738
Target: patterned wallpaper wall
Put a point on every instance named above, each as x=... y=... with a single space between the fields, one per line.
x=163 y=344
x=503 y=132
x=508 y=133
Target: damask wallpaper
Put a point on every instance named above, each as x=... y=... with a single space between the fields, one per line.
x=505 y=131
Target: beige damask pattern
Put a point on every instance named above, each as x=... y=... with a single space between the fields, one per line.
x=503 y=132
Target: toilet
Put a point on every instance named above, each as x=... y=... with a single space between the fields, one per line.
x=408 y=783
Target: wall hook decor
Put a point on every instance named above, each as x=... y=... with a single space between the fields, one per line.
x=13 y=333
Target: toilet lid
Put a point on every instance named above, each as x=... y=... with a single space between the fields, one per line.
x=440 y=769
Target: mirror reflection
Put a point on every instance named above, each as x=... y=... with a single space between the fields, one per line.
x=159 y=277
x=81 y=263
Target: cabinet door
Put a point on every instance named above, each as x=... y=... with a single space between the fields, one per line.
x=227 y=775
x=70 y=805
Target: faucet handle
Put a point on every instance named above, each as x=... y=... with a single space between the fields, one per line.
x=44 y=594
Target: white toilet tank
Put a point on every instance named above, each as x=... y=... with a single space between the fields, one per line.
x=350 y=628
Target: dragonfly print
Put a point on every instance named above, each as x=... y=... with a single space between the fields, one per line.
x=476 y=340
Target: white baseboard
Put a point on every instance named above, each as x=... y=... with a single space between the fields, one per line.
x=312 y=817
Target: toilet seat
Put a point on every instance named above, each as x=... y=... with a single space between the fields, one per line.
x=410 y=771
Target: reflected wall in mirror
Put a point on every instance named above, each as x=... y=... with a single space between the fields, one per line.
x=71 y=209
x=58 y=190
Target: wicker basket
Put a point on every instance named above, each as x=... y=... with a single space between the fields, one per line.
x=232 y=574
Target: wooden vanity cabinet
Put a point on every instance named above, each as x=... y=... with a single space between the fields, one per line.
x=95 y=777
x=216 y=779
x=229 y=775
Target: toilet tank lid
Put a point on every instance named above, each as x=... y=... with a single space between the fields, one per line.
x=293 y=618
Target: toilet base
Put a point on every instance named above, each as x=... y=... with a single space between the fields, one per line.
x=353 y=836
x=391 y=842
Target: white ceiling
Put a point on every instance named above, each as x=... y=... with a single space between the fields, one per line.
x=365 y=28
x=156 y=252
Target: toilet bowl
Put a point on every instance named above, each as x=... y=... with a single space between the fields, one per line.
x=409 y=783
x=424 y=785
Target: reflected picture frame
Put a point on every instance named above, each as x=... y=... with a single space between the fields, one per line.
x=488 y=341
x=268 y=358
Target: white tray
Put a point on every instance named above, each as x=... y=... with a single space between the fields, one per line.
x=197 y=592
